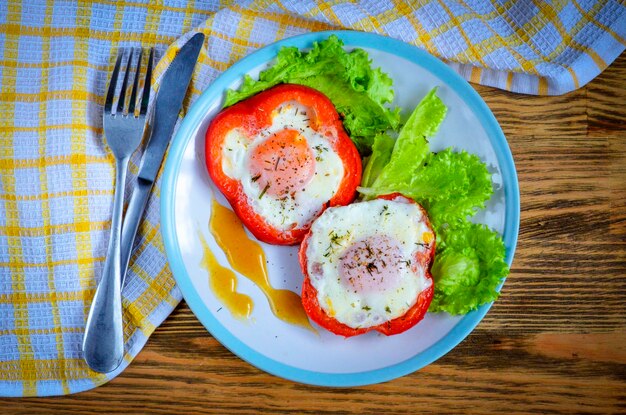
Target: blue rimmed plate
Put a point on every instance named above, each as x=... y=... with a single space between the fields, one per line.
x=290 y=351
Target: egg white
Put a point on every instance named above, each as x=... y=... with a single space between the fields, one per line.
x=286 y=213
x=340 y=227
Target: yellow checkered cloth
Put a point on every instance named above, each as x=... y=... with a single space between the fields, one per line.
x=56 y=173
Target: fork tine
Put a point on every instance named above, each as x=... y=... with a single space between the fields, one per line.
x=133 y=94
x=113 y=83
x=120 y=102
x=147 y=84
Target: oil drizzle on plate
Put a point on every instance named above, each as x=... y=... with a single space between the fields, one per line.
x=223 y=283
x=247 y=257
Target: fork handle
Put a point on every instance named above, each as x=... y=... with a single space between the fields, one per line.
x=103 y=343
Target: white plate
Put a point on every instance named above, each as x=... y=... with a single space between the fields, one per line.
x=290 y=351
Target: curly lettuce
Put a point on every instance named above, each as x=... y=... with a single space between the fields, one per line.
x=468 y=268
x=452 y=186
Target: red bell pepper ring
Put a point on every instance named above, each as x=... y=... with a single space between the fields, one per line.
x=397 y=325
x=254 y=115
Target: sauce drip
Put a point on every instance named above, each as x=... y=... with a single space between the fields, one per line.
x=223 y=283
x=247 y=257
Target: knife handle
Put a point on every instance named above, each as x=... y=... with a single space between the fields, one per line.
x=134 y=213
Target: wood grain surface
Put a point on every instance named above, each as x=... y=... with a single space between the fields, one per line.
x=555 y=342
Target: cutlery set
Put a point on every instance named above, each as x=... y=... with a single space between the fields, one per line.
x=103 y=342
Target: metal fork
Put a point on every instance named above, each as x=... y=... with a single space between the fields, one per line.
x=103 y=343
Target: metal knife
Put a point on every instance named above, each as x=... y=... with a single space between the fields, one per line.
x=169 y=101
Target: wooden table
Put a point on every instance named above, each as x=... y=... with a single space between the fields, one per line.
x=554 y=342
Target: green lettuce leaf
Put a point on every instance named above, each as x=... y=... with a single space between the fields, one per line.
x=451 y=186
x=360 y=94
x=411 y=146
x=468 y=268
x=381 y=153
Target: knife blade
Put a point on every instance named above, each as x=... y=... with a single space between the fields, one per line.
x=168 y=102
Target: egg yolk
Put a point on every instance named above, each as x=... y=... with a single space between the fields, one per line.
x=283 y=164
x=372 y=264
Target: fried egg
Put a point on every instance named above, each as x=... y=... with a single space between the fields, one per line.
x=369 y=261
x=288 y=171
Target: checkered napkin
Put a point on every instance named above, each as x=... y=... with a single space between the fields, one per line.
x=56 y=173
